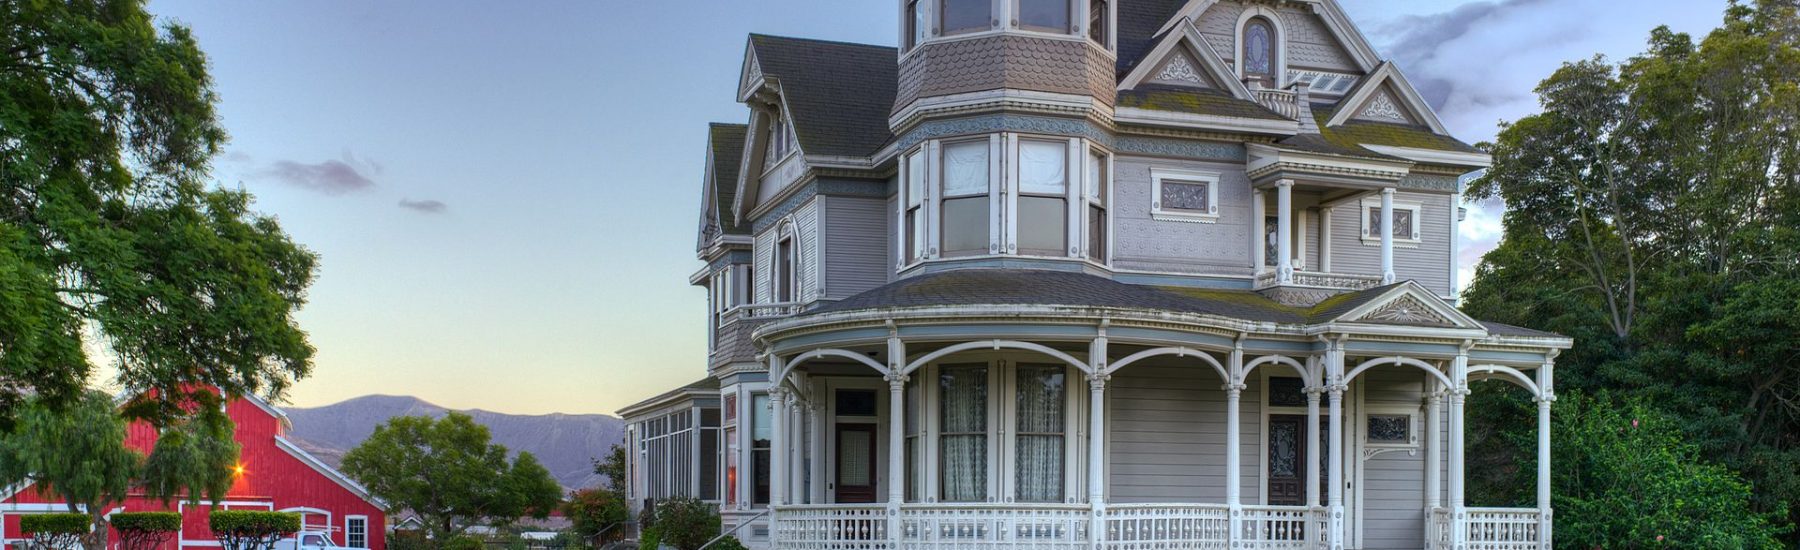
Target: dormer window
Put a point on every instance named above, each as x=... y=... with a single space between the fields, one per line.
x=781 y=140
x=1259 y=51
x=964 y=16
x=1044 y=15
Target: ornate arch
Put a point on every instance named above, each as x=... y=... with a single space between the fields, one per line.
x=1398 y=360
x=1178 y=351
x=1509 y=374
x=995 y=344
x=1306 y=374
x=788 y=367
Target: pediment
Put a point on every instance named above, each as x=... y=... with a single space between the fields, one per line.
x=1408 y=304
x=1384 y=106
x=1181 y=69
x=1183 y=57
x=1386 y=96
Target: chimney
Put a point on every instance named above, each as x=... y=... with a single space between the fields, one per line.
x=1304 y=100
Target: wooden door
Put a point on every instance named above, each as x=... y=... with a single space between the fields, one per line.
x=1287 y=460
x=855 y=463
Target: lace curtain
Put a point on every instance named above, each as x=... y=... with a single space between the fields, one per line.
x=1040 y=433
x=963 y=433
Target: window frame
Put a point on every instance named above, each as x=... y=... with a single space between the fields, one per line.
x=1418 y=223
x=1002 y=417
x=1070 y=192
x=1277 y=64
x=1070 y=25
x=939 y=171
x=1158 y=176
x=915 y=236
x=1105 y=40
x=1101 y=201
x=939 y=29
x=348 y=532
x=784 y=280
x=1372 y=411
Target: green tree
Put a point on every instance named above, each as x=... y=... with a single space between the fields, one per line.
x=1654 y=215
x=41 y=449
x=108 y=229
x=446 y=471
x=594 y=512
x=194 y=460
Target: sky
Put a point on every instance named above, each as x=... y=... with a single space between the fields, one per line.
x=505 y=195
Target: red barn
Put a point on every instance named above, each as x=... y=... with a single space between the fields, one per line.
x=274 y=474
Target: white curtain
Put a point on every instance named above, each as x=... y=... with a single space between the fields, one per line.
x=1040 y=433
x=1042 y=167
x=965 y=168
x=963 y=428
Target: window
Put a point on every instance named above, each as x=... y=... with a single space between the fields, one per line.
x=915 y=211
x=781 y=141
x=761 y=431
x=1044 y=15
x=964 y=16
x=784 y=270
x=855 y=403
x=965 y=198
x=1040 y=424
x=1406 y=222
x=1043 y=197
x=356 y=532
x=914 y=432
x=729 y=408
x=1094 y=193
x=1182 y=195
x=915 y=24
x=1097 y=21
x=709 y=454
x=1259 y=54
x=963 y=432
x=1390 y=429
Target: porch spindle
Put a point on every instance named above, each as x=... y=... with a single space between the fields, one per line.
x=1546 y=397
x=1459 y=514
x=1334 y=367
x=1096 y=442
x=1387 y=235
x=1284 y=231
x=1234 y=390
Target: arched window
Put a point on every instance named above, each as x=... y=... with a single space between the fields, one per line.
x=1259 y=51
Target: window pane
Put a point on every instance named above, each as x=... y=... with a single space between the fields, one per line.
x=761 y=418
x=1390 y=428
x=1096 y=235
x=958 y=16
x=963 y=425
x=1403 y=223
x=1043 y=224
x=1374 y=218
x=1095 y=190
x=915 y=234
x=1045 y=14
x=855 y=402
x=915 y=24
x=1194 y=196
x=965 y=168
x=760 y=459
x=915 y=178
x=1043 y=167
x=1040 y=428
x=709 y=464
x=966 y=225
x=1271 y=240
x=1097 y=21
x=1259 y=47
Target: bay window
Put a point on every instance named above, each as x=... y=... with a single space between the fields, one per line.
x=1044 y=15
x=964 y=208
x=913 y=229
x=761 y=431
x=964 y=16
x=1094 y=189
x=1043 y=197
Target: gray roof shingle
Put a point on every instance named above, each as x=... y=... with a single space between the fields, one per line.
x=727 y=143
x=838 y=93
x=1194 y=101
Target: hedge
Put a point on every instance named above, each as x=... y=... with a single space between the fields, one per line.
x=59 y=524
x=253 y=523
x=153 y=522
x=463 y=542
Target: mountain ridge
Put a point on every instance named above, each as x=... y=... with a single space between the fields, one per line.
x=565 y=443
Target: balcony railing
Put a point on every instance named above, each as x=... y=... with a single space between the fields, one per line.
x=1284 y=102
x=1319 y=279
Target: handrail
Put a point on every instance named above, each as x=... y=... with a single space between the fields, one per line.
x=740 y=525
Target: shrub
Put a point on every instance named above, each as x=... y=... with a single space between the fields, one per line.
x=251 y=530
x=408 y=539
x=463 y=542
x=145 y=530
x=728 y=543
x=686 y=523
x=650 y=540
x=56 y=530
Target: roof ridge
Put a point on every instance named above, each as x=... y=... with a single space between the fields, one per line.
x=755 y=35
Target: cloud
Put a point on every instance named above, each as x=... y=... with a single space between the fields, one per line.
x=331 y=177
x=425 y=206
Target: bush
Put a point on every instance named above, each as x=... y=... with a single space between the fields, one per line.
x=145 y=530
x=728 y=543
x=408 y=539
x=650 y=540
x=686 y=523
x=463 y=542
x=55 y=530
x=251 y=530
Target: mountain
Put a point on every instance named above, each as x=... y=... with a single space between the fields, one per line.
x=566 y=444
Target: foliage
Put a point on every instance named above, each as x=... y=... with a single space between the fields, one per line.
x=686 y=523
x=408 y=539
x=612 y=467
x=251 y=530
x=728 y=543
x=463 y=542
x=1628 y=480
x=592 y=511
x=107 y=227
x=145 y=530
x=195 y=458
x=39 y=447
x=1654 y=216
x=651 y=539
x=55 y=530
x=447 y=472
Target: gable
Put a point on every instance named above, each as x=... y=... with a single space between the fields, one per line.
x=1180 y=68
x=1406 y=303
x=1386 y=96
x=1186 y=59
x=1384 y=106
x=1317 y=34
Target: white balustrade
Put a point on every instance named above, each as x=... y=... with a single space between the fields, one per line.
x=995 y=526
x=1437 y=528
x=1283 y=102
x=1321 y=279
x=1167 y=526
x=1282 y=527
x=1502 y=528
x=831 y=527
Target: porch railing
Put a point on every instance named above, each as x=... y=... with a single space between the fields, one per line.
x=948 y=526
x=1437 y=528
x=1282 y=527
x=832 y=527
x=1502 y=528
x=1345 y=281
x=1167 y=526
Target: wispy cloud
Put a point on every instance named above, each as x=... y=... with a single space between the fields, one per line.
x=331 y=177
x=425 y=206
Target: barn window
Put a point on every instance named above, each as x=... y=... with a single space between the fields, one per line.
x=356 y=532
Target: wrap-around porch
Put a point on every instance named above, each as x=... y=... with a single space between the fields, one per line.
x=927 y=438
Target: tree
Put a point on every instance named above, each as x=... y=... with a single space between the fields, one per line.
x=193 y=461
x=107 y=227
x=40 y=447
x=593 y=513
x=1654 y=215
x=448 y=473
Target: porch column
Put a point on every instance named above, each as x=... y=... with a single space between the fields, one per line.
x=1284 y=231
x=817 y=488
x=1434 y=483
x=1259 y=241
x=797 y=460
x=1096 y=462
x=1234 y=390
x=1387 y=235
x=1547 y=396
x=1334 y=367
x=778 y=445
x=1459 y=375
x=1313 y=475
x=896 y=480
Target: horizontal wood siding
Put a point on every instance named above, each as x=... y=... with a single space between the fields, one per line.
x=1393 y=489
x=806 y=223
x=1166 y=435
x=1427 y=261
x=1143 y=243
x=855 y=245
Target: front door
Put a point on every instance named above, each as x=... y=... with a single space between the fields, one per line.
x=855 y=463
x=1287 y=460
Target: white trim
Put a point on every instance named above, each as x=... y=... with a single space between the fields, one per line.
x=1210 y=179
x=365 y=535
x=1435 y=156
x=329 y=472
x=1200 y=121
x=1418 y=224
x=1203 y=53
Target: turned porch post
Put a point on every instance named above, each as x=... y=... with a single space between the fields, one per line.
x=778 y=446
x=1313 y=475
x=1459 y=375
x=1387 y=235
x=1097 y=377
x=1434 y=484
x=1234 y=390
x=1334 y=368
x=896 y=479
x=1546 y=396
x=1284 y=231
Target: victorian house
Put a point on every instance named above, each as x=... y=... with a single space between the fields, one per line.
x=1123 y=274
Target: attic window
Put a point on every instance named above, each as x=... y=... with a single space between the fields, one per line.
x=1259 y=51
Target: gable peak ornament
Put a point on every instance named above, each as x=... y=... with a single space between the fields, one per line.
x=1407 y=310
x=1382 y=107
x=1180 y=70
